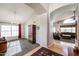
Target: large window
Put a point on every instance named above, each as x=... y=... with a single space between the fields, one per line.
x=9 y=30
x=5 y=31
x=68 y=29
x=15 y=30
x=69 y=21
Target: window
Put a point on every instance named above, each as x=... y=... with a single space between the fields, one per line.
x=68 y=29
x=14 y=30
x=73 y=29
x=5 y=31
x=9 y=30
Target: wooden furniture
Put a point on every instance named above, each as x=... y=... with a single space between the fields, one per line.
x=71 y=52
x=32 y=33
x=66 y=35
x=3 y=45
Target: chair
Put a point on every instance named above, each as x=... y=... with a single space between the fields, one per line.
x=3 y=45
x=56 y=36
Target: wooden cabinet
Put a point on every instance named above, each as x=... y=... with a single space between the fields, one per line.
x=32 y=33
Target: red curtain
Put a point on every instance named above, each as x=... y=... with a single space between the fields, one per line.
x=19 y=31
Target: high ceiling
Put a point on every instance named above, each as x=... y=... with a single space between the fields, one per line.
x=21 y=12
x=15 y=13
x=54 y=6
x=37 y=7
x=63 y=12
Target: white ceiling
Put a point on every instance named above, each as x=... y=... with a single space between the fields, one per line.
x=46 y=6
x=20 y=12
x=15 y=13
x=37 y=7
x=63 y=12
x=54 y=6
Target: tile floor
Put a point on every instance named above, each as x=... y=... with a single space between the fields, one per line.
x=19 y=47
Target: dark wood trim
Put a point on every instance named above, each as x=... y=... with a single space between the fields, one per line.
x=20 y=31
x=32 y=33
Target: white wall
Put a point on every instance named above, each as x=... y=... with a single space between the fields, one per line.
x=77 y=18
x=43 y=30
x=41 y=22
x=50 y=32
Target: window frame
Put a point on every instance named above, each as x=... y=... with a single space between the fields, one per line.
x=8 y=31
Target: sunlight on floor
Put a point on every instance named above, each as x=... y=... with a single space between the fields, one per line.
x=65 y=44
x=13 y=48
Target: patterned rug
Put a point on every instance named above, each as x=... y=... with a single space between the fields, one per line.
x=45 y=52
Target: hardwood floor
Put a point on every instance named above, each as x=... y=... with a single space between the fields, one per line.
x=63 y=49
x=71 y=52
x=59 y=49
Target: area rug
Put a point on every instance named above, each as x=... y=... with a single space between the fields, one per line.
x=45 y=52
